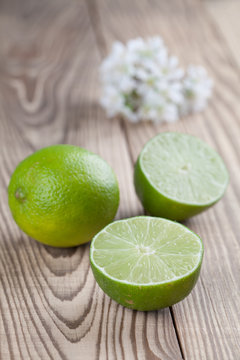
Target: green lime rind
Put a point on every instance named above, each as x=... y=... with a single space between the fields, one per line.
x=146 y=297
x=137 y=297
x=157 y=203
x=63 y=195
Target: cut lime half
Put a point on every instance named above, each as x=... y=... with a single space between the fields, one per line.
x=146 y=263
x=178 y=176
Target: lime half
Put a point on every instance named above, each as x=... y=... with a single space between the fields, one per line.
x=146 y=263
x=178 y=176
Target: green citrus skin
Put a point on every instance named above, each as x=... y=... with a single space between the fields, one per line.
x=146 y=297
x=155 y=201
x=63 y=195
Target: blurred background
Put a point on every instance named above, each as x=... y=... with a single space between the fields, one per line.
x=50 y=56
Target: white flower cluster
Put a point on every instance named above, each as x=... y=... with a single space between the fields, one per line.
x=143 y=83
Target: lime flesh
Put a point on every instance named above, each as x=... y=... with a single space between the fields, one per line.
x=178 y=176
x=146 y=263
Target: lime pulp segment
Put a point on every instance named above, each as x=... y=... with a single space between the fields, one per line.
x=184 y=168
x=146 y=251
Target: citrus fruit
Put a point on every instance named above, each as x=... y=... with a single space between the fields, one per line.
x=146 y=263
x=62 y=195
x=178 y=175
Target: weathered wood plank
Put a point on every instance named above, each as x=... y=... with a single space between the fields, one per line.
x=50 y=306
x=208 y=320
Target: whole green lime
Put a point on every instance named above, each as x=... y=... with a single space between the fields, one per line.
x=63 y=195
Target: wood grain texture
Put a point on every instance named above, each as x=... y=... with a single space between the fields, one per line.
x=226 y=17
x=207 y=321
x=50 y=305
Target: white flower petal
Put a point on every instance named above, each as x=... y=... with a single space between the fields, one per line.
x=141 y=81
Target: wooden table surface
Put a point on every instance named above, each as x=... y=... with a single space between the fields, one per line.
x=50 y=51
